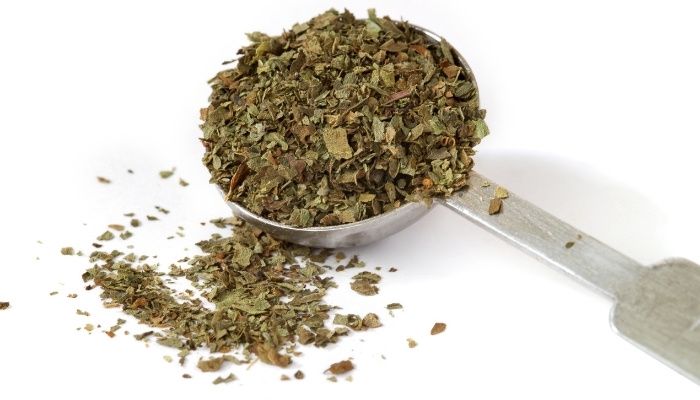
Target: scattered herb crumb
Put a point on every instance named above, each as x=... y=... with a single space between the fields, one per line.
x=284 y=377
x=104 y=180
x=187 y=376
x=144 y=335
x=341 y=367
x=365 y=282
x=81 y=312
x=166 y=173
x=211 y=365
x=501 y=193
x=116 y=227
x=53 y=293
x=495 y=205
x=4 y=305
x=135 y=223
x=67 y=251
x=168 y=358
x=72 y=295
x=89 y=327
x=411 y=343
x=151 y=218
x=299 y=375
x=394 y=306
x=439 y=327
x=371 y=320
x=184 y=183
x=230 y=378
x=107 y=235
x=569 y=245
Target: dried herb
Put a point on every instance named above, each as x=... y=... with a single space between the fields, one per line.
x=341 y=367
x=371 y=320
x=167 y=173
x=495 y=205
x=229 y=378
x=569 y=245
x=299 y=375
x=183 y=183
x=104 y=180
x=439 y=327
x=394 y=306
x=365 y=282
x=501 y=193
x=411 y=343
x=67 y=251
x=116 y=227
x=267 y=295
x=341 y=119
x=83 y=313
x=4 y=305
x=107 y=235
x=354 y=322
x=211 y=365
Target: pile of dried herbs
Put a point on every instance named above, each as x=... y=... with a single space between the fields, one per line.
x=341 y=119
x=267 y=295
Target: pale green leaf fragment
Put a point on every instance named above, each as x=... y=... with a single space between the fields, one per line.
x=481 y=130
x=378 y=129
x=242 y=255
x=336 y=141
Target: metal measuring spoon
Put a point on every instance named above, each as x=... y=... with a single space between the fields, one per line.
x=655 y=307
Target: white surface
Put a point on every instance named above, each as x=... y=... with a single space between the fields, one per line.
x=593 y=112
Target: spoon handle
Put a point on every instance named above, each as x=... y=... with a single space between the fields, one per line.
x=546 y=237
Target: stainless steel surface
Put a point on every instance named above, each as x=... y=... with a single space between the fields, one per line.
x=660 y=312
x=347 y=235
x=544 y=236
x=657 y=308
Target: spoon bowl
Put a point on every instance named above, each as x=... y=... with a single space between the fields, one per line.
x=357 y=233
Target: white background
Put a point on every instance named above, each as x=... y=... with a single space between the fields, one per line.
x=593 y=108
